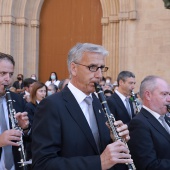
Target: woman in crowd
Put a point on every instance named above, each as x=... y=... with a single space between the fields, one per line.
x=38 y=93
x=53 y=79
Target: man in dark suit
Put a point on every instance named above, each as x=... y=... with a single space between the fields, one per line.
x=10 y=137
x=149 y=132
x=63 y=135
x=119 y=102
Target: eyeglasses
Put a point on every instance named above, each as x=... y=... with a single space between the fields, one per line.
x=94 y=68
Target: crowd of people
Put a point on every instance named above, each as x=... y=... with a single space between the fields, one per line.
x=68 y=129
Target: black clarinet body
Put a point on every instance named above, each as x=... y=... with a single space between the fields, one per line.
x=15 y=126
x=110 y=119
x=138 y=108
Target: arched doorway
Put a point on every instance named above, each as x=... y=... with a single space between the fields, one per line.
x=63 y=23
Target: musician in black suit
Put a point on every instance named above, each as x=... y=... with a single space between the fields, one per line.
x=149 y=133
x=62 y=133
x=117 y=101
x=8 y=137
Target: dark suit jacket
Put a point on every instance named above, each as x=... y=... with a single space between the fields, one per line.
x=30 y=108
x=61 y=136
x=149 y=143
x=118 y=108
x=19 y=106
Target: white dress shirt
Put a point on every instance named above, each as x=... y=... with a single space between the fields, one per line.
x=80 y=96
x=123 y=98
x=56 y=82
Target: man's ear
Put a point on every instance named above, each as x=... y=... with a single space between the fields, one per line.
x=121 y=82
x=147 y=95
x=73 y=69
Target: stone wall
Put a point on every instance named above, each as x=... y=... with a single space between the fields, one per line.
x=135 y=32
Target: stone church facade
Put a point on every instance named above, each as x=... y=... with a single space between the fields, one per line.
x=136 y=33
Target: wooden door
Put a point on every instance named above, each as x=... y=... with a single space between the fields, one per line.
x=63 y=23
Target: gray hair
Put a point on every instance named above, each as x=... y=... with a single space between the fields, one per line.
x=76 y=53
x=148 y=83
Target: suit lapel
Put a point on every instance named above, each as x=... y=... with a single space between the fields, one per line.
x=78 y=116
x=155 y=123
x=121 y=105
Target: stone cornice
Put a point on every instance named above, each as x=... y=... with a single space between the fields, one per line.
x=113 y=18
x=19 y=21
x=22 y=21
x=8 y=19
x=105 y=20
x=131 y=15
x=35 y=23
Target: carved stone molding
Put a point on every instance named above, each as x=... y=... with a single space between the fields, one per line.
x=116 y=14
x=105 y=21
x=22 y=39
x=113 y=19
x=22 y=22
x=35 y=23
x=8 y=20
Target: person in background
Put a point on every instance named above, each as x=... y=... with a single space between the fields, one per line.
x=102 y=82
x=38 y=93
x=64 y=133
x=53 y=79
x=33 y=76
x=108 y=80
x=27 y=88
x=52 y=89
x=115 y=86
x=62 y=84
x=120 y=105
x=108 y=86
x=19 y=84
x=108 y=93
x=149 y=132
x=9 y=154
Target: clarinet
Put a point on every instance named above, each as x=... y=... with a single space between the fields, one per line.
x=15 y=126
x=111 y=119
x=135 y=102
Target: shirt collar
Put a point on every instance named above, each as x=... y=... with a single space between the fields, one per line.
x=78 y=94
x=156 y=115
x=120 y=95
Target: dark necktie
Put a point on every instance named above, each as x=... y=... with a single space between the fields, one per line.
x=165 y=125
x=128 y=107
x=8 y=158
x=93 y=123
